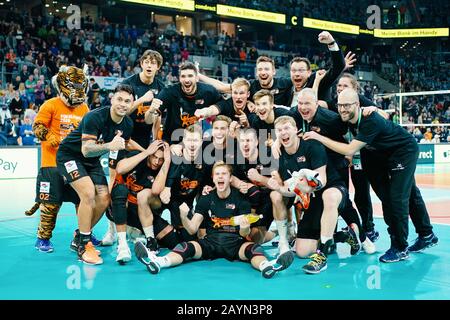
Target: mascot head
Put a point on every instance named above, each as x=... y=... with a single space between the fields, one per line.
x=71 y=83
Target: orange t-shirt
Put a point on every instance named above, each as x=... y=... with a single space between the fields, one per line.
x=60 y=120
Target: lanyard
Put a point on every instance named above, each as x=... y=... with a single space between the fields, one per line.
x=350 y=135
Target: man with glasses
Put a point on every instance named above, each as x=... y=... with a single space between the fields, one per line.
x=390 y=170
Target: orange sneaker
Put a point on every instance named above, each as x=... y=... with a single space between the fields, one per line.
x=89 y=254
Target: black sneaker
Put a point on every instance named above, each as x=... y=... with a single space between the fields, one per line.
x=75 y=243
x=353 y=239
x=328 y=248
x=373 y=235
x=394 y=255
x=421 y=243
x=317 y=264
x=152 y=245
x=146 y=257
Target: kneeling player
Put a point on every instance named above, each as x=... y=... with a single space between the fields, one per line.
x=140 y=179
x=225 y=236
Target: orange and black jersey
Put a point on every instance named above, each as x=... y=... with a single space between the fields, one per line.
x=186 y=179
x=178 y=108
x=96 y=125
x=142 y=132
x=141 y=177
x=217 y=212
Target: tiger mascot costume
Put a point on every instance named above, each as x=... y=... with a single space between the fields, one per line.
x=56 y=118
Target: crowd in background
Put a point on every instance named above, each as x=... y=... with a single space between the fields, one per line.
x=33 y=49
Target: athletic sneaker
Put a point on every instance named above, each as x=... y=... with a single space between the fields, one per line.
x=110 y=236
x=317 y=264
x=368 y=246
x=44 y=245
x=394 y=255
x=373 y=235
x=147 y=257
x=123 y=253
x=95 y=241
x=76 y=242
x=88 y=254
x=353 y=239
x=421 y=243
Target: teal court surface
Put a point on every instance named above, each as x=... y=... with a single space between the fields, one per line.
x=26 y=273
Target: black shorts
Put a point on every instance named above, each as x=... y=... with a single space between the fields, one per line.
x=170 y=240
x=344 y=191
x=74 y=169
x=309 y=225
x=221 y=245
x=50 y=188
x=264 y=208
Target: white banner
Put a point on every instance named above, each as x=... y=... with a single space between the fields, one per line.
x=109 y=83
x=442 y=153
x=18 y=163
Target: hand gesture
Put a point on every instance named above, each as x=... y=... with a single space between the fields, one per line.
x=243 y=187
x=177 y=150
x=244 y=223
x=325 y=37
x=153 y=147
x=320 y=74
x=206 y=190
x=148 y=96
x=243 y=121
x=184 y=210
x=251 y=106
x=253 y=175
x=349 y=60
x=166 y=149
x=118 y=143
x=165 y=196
x=312 y=135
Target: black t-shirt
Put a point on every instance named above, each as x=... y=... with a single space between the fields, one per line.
x=186 y=180
x=281 y=90
x=258 y=124
x=142 y=132
x=226 y=108
x=212 y=155
x=328 y=124
x=363 y=102
x=216 y=212
x=310 y=155
x=382 y=135
x=139 y=178
x=240 y=169
x=98 y=124
x=180 y=108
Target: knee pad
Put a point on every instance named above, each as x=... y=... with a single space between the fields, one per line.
x=253 y=250
x=119 y=195
x=49 y=211
x=185 y=249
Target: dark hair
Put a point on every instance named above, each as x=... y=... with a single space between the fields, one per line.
x=187 y=65
x=301 y=59
x=124 y=87
x=152 y=55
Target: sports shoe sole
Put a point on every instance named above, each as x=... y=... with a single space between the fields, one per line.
x=315 y=271
x=268 y=272
x=45 y=251
x=428 y=246
x=396 y=260
x=124 y=260
x=285 y=260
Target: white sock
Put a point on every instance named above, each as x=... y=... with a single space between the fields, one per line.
x=264 y=265
x=122 y=237
x=282 y=232
x=148 y=231
x=112 y=227
x=324 y=239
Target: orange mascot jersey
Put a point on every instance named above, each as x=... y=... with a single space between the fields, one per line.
x=60 y=121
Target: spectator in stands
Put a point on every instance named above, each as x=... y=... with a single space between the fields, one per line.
x=30 y=86
x=26 y=133
x=23 y=95
x=31 y=113
x=16 y=105
x=96 y=103
x=11 y=130
x=10 y=64
x=93 y=90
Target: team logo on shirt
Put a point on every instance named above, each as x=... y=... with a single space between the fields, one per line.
x=301 y=159
x=187 y=185
x=141 y=110
x=45 y=187
x=315 y=128
x=231 y=206
x=199 y=101
x=70 y=166
x=187 y=120
x=100 y=139
x=151 y=179
x=275 y=91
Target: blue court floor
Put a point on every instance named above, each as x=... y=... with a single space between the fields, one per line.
x=28 y=274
